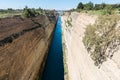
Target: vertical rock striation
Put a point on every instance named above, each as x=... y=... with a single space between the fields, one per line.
x=78 y=63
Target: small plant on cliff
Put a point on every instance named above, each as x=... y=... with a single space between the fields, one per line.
x=102 y=38
x=68 y=22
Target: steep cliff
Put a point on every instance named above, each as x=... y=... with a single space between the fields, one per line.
x=78 y=63
x=23 y=46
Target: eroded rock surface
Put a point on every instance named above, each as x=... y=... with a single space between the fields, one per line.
x=79 y=64
x=23 y=46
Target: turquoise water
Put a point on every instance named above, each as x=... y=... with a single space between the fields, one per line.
x=54 y=69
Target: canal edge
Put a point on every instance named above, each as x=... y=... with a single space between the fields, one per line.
x=64 y=48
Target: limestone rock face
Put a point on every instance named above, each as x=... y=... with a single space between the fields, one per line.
x=79 y=64
x=23 y=46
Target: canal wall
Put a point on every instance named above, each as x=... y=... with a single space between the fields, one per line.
x=77 y=61
x=22 y=56
x=74 y=52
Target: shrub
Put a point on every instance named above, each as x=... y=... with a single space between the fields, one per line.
x=119 y=10
x=109 y=9
x=41 y=11
x=101 y=37
x=68 y=22
x=27 y=12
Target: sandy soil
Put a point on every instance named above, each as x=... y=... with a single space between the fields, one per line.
x=80 y=65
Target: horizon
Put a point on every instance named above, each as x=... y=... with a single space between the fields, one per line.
x=53 y=4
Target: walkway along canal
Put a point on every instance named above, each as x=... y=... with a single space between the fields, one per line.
x=54 y=69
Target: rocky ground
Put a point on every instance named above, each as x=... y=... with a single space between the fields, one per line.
x=24 y=43
x=78 y=64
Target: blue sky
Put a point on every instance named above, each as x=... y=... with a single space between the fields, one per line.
x=48 y=4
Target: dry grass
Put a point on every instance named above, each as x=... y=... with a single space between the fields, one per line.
x=101 y=37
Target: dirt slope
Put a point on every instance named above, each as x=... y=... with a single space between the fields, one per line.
x=79 y=64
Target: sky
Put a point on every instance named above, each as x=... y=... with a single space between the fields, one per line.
x=48 y=4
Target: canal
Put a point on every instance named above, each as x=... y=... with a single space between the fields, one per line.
x=54 y=69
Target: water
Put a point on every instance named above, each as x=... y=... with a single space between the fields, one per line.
x=54 y=65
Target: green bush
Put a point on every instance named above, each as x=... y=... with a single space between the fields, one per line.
x=99 y=37
x=119 y=10
x=41 y=11
x=109 y=9
x=68 y=22
x=27 y=12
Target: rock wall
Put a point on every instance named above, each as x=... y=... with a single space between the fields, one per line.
x=77 y=61
x=24 y=44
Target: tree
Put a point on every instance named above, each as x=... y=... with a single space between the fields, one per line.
x=99 y=6
x=102 y=6
x=27 y=12
x=33 y=12
x=89 y=6
x=41 y=11
x=80 y=6
x=116 y=5
x=119 y=10
x=108 y=9
x=9 y=10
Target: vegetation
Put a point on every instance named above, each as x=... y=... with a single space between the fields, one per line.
x=99 y=6
x=102 y=39
x=68 y=22
x=9 y=12
x=89 y=6
x=64 y=59
x=27 y=12
x=104 y=9
x=80 y=6
x=41 y=11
